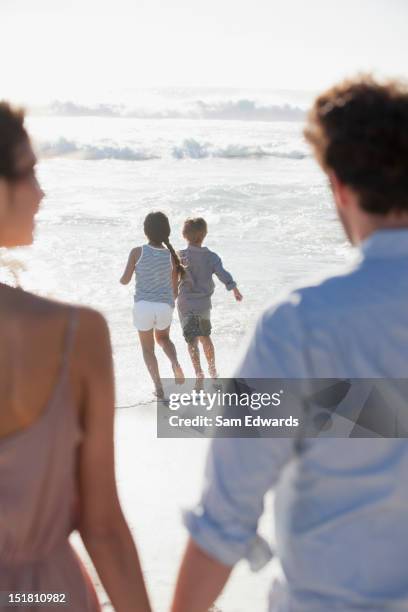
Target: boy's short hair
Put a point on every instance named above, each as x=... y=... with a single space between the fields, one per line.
x=359 y=130
x=195 y=229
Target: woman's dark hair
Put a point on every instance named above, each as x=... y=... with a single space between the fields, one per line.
x=157 y=229
x=195 y=229
x=12 y=134
x=359 y=130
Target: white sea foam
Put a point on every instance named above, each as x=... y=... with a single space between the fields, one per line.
x=190 y=148
x=197 y=150
x=68 y=148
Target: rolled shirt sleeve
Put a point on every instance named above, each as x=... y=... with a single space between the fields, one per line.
x=240 y=471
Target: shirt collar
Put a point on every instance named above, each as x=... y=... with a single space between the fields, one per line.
x=386 y=243
x=193 y=247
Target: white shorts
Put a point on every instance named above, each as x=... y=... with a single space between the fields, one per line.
x=152 y=315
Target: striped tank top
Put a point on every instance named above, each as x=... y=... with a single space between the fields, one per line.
x=153 y=273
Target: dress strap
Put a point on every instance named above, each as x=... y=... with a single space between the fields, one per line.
x=68 y=341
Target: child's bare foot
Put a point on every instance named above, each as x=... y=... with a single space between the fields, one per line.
x=199 y=383
x=178 y=374
x=158 y=392
x=213 y=372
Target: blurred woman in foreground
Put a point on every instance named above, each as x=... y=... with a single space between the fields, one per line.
x=56 y=427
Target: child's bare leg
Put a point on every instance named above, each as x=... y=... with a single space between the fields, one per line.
x=195 y=357
x=163 y=339
x=209 y=353
x=147 y=342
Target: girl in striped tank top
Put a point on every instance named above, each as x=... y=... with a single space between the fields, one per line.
x=157 y=269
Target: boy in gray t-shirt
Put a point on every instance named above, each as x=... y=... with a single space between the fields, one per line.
x=195 y=290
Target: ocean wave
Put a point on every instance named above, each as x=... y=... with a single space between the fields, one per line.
x=193 y=149
x=243 y=109
x=188 y=149
x=68 y=148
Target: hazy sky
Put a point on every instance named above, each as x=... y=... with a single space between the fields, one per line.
x=65 y=48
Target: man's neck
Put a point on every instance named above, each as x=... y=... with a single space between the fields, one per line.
x=368 y=224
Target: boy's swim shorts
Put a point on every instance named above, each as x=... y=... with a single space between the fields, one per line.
x=195 y=324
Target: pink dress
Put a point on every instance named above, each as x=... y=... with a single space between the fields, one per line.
x=39 y=504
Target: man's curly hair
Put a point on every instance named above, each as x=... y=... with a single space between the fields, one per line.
x=359 y=130
x=12 y=134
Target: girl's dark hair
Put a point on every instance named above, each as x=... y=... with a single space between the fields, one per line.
x=12 y=134
x=157 y=229
x=359 y=130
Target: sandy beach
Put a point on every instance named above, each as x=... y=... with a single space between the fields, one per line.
x=153 y=509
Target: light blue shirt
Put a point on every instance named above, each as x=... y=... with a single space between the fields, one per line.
x=341 y=505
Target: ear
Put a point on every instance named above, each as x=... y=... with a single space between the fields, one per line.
x=4 y=196
x=341 y=192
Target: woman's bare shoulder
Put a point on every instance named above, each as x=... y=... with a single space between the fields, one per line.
x=92 y=345
x=29 y=306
